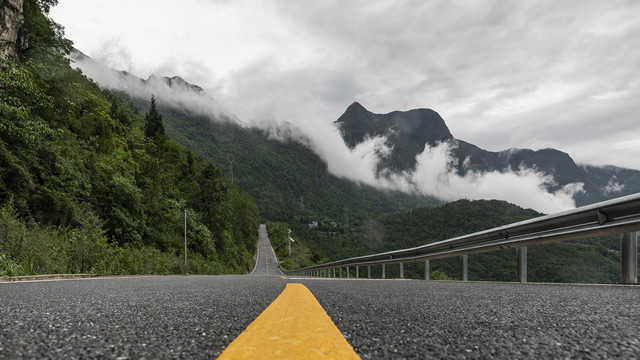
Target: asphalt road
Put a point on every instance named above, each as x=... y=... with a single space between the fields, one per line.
x=197 y=316
x=266 y=264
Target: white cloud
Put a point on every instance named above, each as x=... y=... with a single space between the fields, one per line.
x=613 y=186
x=435 y=175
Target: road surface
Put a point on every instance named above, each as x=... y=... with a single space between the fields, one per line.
x=199 y=316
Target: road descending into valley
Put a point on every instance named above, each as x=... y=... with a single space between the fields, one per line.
x=198 y=317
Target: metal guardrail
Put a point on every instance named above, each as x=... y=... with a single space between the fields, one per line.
x=616 y=216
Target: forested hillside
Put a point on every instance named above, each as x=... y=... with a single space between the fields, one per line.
x=88 y=184
x=288 y=180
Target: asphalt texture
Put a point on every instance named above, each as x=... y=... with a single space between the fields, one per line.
x=402 y=319
x=196 y=317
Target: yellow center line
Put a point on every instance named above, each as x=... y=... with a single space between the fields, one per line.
x=294 y=326
x=266 y=257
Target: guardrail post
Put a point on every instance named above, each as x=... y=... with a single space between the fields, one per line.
x=384 y=275
x=464 y=267
x=521 y=254
x=340 y=272
x=426 y=270
x=369 y=271
x=357 y=272
x=629 y=254
x=334 y=272
x=401 y=270
x=347 y=272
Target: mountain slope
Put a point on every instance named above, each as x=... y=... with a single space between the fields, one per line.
x=287 y=179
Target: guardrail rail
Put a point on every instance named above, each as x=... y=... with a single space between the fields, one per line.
x=611 y=217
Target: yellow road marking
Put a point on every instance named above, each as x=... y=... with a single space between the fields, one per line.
x=284 y=277
x=266 y=257
x=294 y=326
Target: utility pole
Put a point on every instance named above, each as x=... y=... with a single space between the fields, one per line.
x=290 y=240
x=185 y=237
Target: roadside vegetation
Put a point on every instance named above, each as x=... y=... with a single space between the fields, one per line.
x=89 y=184
x=301 y=256
x=586 y=261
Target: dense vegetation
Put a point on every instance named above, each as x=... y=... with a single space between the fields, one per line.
x=593 y=261
x=88 y=184
x=300 y=256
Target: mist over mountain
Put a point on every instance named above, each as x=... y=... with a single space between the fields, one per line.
x=175 y=91
x=407 y=134
x=412 y=152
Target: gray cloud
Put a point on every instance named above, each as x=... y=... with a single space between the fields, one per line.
x=489 y=67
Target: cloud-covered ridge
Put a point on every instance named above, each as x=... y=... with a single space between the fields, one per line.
x=435 y=173
x=173 y=91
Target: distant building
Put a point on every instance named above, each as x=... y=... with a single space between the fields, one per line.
x=313 y=225
x=333 y=224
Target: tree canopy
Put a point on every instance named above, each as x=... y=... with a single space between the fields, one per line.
x=153 y=121
x=82 y=189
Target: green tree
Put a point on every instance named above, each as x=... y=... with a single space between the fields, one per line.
x=153 y=125
x=40 y=30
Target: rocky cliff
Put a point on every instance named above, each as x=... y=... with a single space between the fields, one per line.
x=11 y=19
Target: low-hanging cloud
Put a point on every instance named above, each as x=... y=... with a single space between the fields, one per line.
x=435 y=173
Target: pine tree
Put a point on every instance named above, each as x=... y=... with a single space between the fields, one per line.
x=153 y=126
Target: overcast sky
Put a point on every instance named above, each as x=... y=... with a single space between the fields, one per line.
x=503 y=74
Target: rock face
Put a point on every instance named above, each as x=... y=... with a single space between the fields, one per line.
x=11 y=19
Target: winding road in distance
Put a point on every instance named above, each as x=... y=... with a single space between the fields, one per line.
x=199 y=316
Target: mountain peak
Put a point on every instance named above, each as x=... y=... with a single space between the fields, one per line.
x=175 y=82
x=356 y=107
x=426 y=125
x=406 y=132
